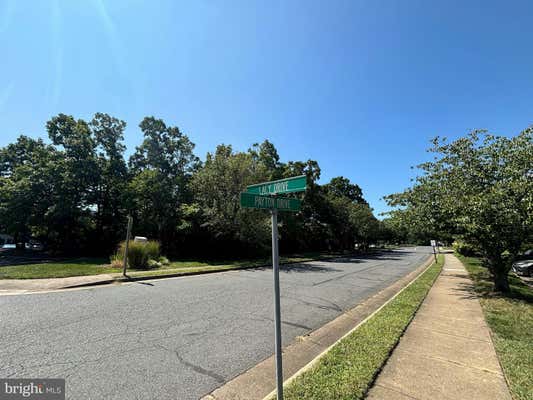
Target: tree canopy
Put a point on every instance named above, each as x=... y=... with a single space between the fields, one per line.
x=478 y=188
x=75 y=193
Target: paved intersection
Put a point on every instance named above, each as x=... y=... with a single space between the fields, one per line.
x=180 y=338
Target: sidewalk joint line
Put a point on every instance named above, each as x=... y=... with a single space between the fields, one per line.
x=449 y=334
x=430 y=357
x=397 y=391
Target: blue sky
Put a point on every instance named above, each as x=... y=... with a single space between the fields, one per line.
x=360 y=86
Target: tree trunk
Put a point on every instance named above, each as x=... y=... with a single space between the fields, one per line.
x=499 y=270
x=19 y=245
x=501 y=280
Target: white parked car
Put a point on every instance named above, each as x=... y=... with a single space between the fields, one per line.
x=524 y=265
x=34 y=245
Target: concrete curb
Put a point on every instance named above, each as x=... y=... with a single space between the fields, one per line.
x=258 y=382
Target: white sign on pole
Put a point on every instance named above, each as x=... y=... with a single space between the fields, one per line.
x=434 y=245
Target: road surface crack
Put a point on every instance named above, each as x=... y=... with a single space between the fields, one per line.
x=347 y=274
x=200 y=370
x=196 y=368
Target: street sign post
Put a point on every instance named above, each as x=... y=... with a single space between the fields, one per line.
x=126 y=245
x=264 y=196
x=277 y=306
x=289 y=185
x=434 y=245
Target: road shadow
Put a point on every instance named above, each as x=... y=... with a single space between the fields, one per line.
x=356 y=259
x=299 y=268
x=144 y=283
x=14 y=257
x=385 y=255
x=485 y=290
x=327 y=265
x=306 y=267
x=465 y=291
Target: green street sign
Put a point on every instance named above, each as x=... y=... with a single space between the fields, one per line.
x=260 y=196
x=289 y=185
x=250 y=200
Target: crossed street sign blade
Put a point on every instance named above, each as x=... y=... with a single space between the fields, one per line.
x=250 y=200
x=287 y=185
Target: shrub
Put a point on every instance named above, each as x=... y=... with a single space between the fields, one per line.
x=465 y=249
x=163 y=260
x=154 y=264
x=139 y=254
x=152 y=249
x=116 y=263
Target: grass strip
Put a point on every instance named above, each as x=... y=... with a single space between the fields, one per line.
x=510 y=317
x=57 y=269
x=350 y=367
x=97 y=266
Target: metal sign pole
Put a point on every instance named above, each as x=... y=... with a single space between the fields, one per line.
x=126 y=245
x=434 y=244
x=277 y=307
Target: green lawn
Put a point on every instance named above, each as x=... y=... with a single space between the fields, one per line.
x=350 y=367
x=510 y=318
x=96 y=266
x=74 y=267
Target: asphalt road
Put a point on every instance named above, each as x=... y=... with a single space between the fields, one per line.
x=179 y=338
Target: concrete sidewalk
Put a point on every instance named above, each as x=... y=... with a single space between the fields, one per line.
x=18 y=286
x=447 y=351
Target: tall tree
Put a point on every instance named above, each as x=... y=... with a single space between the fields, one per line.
x=162 y=167
x=266 y=160
x=111 y=196
x=305 y=230
x=70 y=216
x=341 y=186
x=479 y=188
x=27 y=178
x=217 y=187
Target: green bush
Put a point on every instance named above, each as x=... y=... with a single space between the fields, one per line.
x=465 y=249
x=116 y=263
x=152 y=249
x=118 y=256
x=152 y=264
x=163 y=260
x=140 y=254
